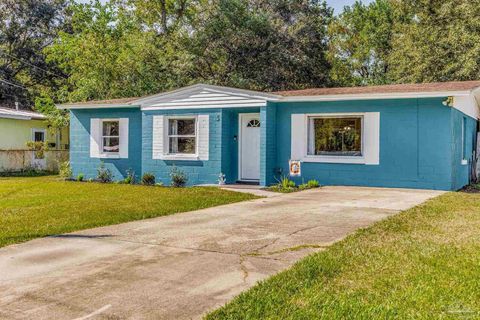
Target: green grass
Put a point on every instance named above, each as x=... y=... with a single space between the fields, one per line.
x=40 y=206
x=421 y=264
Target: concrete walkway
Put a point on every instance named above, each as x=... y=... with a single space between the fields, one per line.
x=184 y=265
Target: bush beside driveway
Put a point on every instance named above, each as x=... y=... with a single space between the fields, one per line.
x=41 y=206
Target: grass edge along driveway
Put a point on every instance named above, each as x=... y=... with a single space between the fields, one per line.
x=420 y=264
x=36 y=207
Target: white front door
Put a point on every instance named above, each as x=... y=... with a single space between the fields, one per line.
x=249 y=153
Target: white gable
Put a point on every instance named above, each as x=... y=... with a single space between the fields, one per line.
x=205 y=96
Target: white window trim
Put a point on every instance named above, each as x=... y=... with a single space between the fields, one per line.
x=180 y=156
x=44 y=131
x=103 y=154
x=35 y=130
x=374 y=131
x=96 y=138
x=335 y=159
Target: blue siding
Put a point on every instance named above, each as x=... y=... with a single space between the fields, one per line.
x=420 y=145
x=460 y=172
x=415 y=144
x=198 y=172
x=230 y=141
x=223 y=149
x=268 y=145
x=80 y=160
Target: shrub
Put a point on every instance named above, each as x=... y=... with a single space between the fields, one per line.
x=148 y=179
x=38 y=147
x=178 y=177
x=26 y=172
x=303 y=186
x=130 y=178
x=313 y=184
x=104 y=175
x=64 y=170
x=80 y=177
x=286 y=183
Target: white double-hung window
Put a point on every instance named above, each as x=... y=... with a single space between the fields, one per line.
x=336 y=138
x=182 y=136
x=111 y=136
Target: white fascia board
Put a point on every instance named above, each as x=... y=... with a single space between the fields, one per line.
x=171 y=95
x=95 y=106
x=375 y=96
x=210 y=106
x=467 y=105
x=15 y=117
x=245 y=93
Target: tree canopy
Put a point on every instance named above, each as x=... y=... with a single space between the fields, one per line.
x=27 y=27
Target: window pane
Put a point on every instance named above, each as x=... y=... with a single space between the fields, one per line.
x=336 y=136
x=111 y=144
x=181 y=127
x=110 y=128
x=39 y=136
x=182 y=145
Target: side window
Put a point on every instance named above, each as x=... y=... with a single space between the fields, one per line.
x=111 y=136
x=182 y=136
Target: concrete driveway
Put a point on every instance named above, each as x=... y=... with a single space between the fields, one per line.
x=184 y=265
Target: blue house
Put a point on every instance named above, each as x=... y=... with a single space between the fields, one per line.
x=409 y=136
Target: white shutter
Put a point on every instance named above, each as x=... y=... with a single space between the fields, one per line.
x=123 y=138
x=203 y=136
x=299 y=137
x=372 y=138
x=95 y=138
x=158 y=132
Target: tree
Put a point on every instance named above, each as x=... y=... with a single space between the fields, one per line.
x=436 y=40
x=56 y=118
x=110 y=53
x=164 y=16
x=263 y=45
x=26 y=28
x=360 y=44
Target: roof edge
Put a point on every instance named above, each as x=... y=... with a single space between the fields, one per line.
x=95 y=106
x=376 y=96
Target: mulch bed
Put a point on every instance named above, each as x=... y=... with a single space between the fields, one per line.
x=471 y=189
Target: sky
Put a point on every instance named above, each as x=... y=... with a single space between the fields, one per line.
x=339 y=4
x=336 y=4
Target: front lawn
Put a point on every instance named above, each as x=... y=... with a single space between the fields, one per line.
x=42 y=206
x=421 y=264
